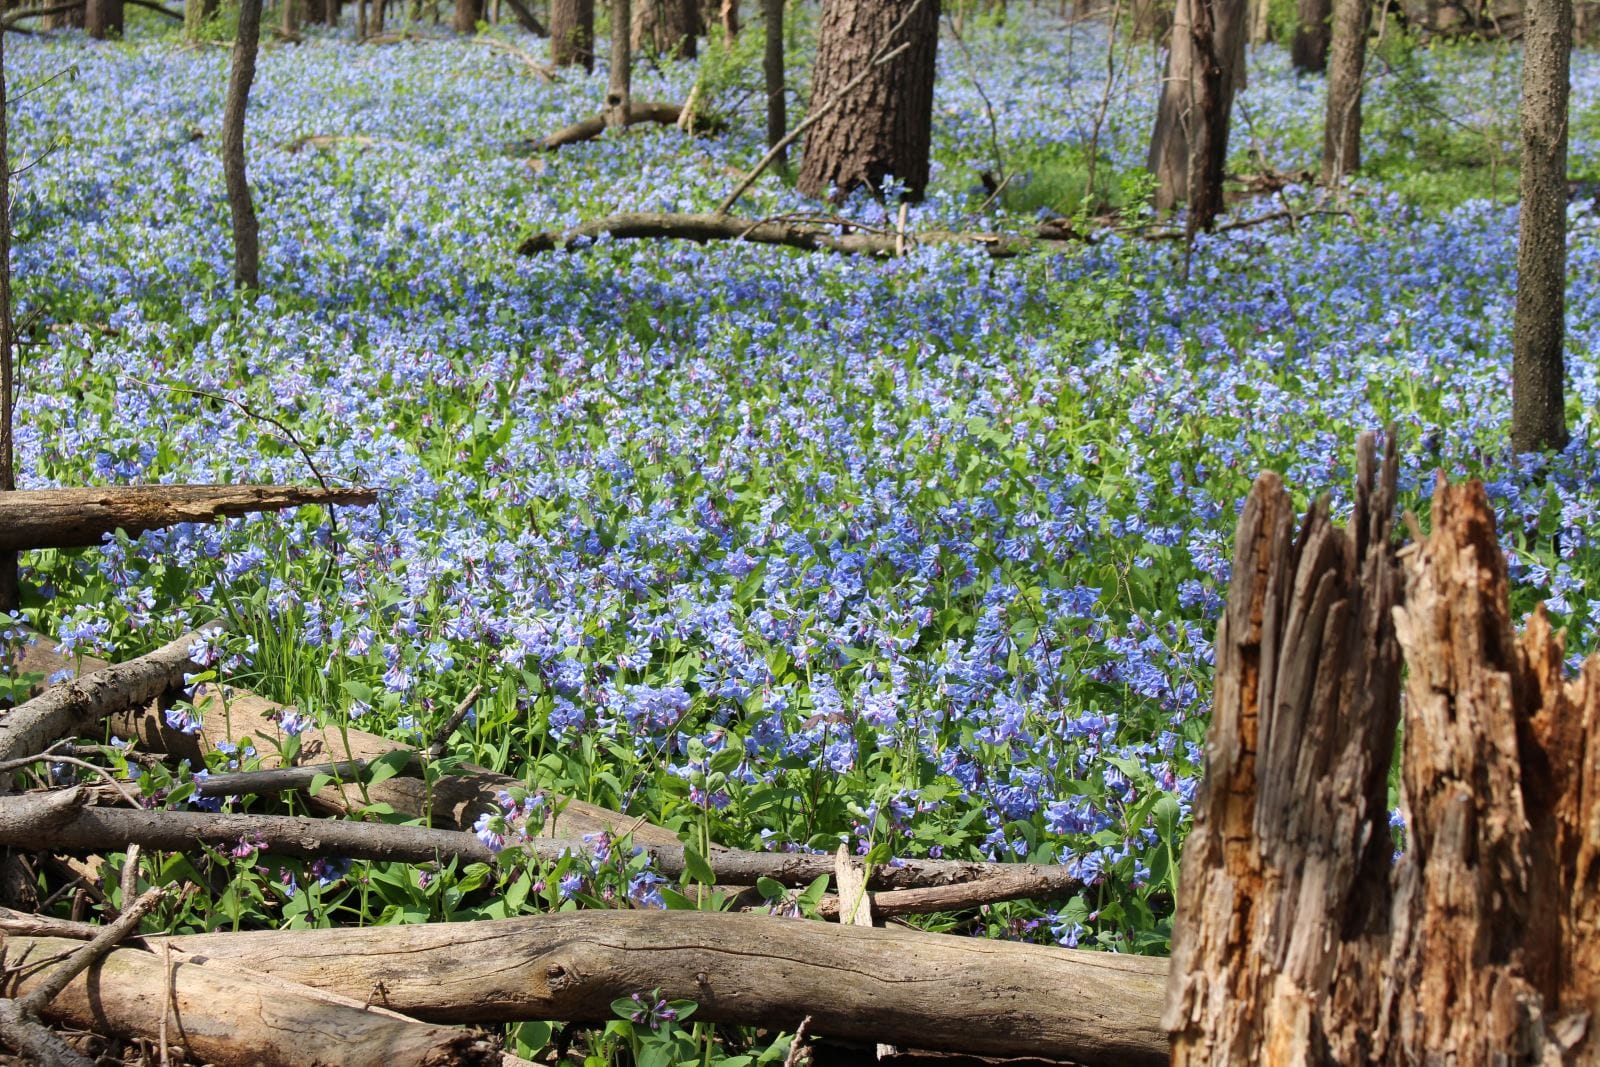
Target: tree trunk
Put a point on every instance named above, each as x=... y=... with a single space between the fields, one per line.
x=103 y=18
x=9 y=587
x=289 y=12
x=375 y=20
x=1309 y=52
x=572 y=33
x=773 y=76
x=1285 y=874
x=933 y=991
x=1341 y=130
x=666 y=27
x=468 y=13
x=1148 y=20
x=1260 y=21
x=361 y=20
x=618 y=93
x=223 y=1015
x=883 y=127
x=331 y=10
x=728 y=12
x=246 y=238
x=1191 y=133
x=1538 y=364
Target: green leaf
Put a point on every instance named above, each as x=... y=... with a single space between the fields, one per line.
x=770 y=889
x=624 y=1007
x=388 y=765
x=696 y=867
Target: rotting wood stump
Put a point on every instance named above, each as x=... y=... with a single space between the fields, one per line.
x=1299 y=938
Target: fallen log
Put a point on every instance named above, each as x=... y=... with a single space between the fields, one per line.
x=75 y=518
x=960 y=896
x=811 y=236
x=225 y=1016
x=902 y=986
x=76 y=706
x=62 y=821
x=639 y=112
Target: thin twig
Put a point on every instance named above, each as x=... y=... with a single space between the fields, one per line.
x=457 y=717
x=84 y=958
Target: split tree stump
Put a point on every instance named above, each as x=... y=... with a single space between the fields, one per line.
x=1299 y=939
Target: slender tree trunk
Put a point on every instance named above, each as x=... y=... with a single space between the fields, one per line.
x=467 y=15
x=572 y=33
x=1538 y=365
x=666 y=27
x=1341 y=130
x=361 y=20
x=618 y=92
x=8 y=472
x=728 y=11
x=1191 y=133
x=331 y=9
x=103 y=18
x=290 y=15
x=772 y=71
x=1310 y=50
x=1260 y=21
x=246 y=239
x=375 y=22
x=883 y=127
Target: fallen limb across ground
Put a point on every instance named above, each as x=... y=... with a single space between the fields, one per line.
x=73 y=518
x=227 y=1016
x=639 y=112
x=62 y=821
x=911 y=988
x=810 y=235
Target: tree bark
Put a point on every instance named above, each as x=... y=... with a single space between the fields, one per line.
x=80 y=705
x=289 y=13
x=331 y=9
x=1285 y=872
x=468 y=13
x=1260 y=21
x=71 y=518
x=228 y=1016
x=103 y=18
x=1538 y=363
x=588 y=129
x=902 y=986
x=811 y=237
x=1193 y=117
x=246 y=236
x=666 y=27
x=572 y=33
x=1341 y=129
x=1309 y=53
x=884 y=126
x=620 y=75
x=773 y=76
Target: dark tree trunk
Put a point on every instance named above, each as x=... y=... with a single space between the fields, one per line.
x=8 y=472
x=618 y=89
x=1341 y=131
x=312 y=11
x=1538 y=365
x=361 y=20
x=331 y=10
x=1191 y=134
x=666 y=27
x=572 y=33
x=1311 y=34
x=246 y=239
x=772 y=70
x=883 y=127
x=289 y=14
x=103 y=18
x=375 y=20
x=467 y=15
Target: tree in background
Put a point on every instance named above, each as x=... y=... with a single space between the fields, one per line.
x=572 y=33
x=666 y=27
x=619 y=90
x=872 y=97
x=103 y=18
x=468 y=13
x=1309 y=52
x=773 y=76
x=1341 y=129
x=1538 y=364
x=1190 y=142
x=246 y=237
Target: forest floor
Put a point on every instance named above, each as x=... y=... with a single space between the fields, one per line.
x=777 y=549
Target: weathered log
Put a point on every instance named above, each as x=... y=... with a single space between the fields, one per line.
x=74 y=518
x=640 y=111
x=960 y=896
x=76 y=706
x=279 y=779
x=226 y=1016
x=1285 y=872
x=33 y=1041
x=806 y=235
x=61 y=821
x=911 y=988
